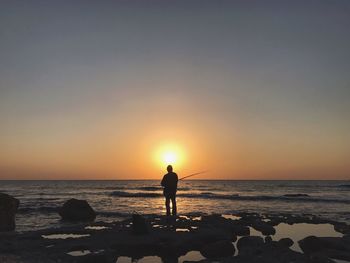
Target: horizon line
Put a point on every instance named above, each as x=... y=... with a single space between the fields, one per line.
x=222 y=179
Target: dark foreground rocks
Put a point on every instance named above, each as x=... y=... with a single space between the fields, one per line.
x=8 y=209
x=139 y=225
x=330 y=247
x=75 y=210
x=250 y=245
x=217 y=238
x=286 y=242
x=218 y=249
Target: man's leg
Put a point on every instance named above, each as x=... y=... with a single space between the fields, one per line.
x=167 y=205
x=173 y=203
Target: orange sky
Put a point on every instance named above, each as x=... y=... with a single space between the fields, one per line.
x=246 y=90
x=102 y=148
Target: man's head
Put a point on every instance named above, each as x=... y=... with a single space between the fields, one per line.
x=169 y=168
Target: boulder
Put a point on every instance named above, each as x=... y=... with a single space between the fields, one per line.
x=285 y=242
x=337 y=254
x=264 y=228
x=342 y=228
x=209 y=235
x=137 y=246
x=311 y=244
x=331 y=247
x=233 y=238
x=250 y=244
x=139 y=225
x=75 y=210
x=320 y=259
x=8 y=209
x=240 y=230
x=93 y=258
x=268 y=239
x=346 y=239
x=219 y=249
x=213 y=218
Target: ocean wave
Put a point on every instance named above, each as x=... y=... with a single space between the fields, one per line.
x=112 y=214
x=112 y=187
x=130 y=194
x=344 y=185
x=55 y=209
x=154 y=188
x=296 y=195
x=236 y=197
x=149 y=188
x=40 y=209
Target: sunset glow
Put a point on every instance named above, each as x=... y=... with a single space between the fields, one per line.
x=170 y=158
x=170 y=155
x=119 y=90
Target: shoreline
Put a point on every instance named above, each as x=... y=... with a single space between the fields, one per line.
x=252 y=237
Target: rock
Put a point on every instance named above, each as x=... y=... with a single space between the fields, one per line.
x=234 y=238
x=337 y=254
x=207 y=236
x=320 y=259
x=216 y=220
x=346 y=239
x=212 y=218
x=250 y=244
x=274 y=222
x=264 y=228
x=7 y=247
x=240 y=230
x=293 y=219
x=8 y=209
x=268 y=239
x=311 y=244
x=77 y=210
x=138 y=246
x=285 y=242
x=218 y=249
x=342 y=228
x=336 y=243
x=139 y=225
x=331 y=247
x=93 y=258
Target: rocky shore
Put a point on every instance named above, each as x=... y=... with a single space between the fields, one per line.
x=218 y=238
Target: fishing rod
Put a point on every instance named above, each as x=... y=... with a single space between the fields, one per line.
x=190 y=175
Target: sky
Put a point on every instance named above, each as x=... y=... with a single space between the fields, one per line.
x=243 y=89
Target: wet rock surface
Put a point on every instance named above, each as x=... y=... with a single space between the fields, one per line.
x=75 y=210
x=8 y=209
x=139 y=225
x=250 y=245
x=218 y=249
x=286 y=242
x=212 y=235
x=264 y=228
x=330 y=247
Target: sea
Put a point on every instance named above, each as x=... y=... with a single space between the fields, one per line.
x=117 y=200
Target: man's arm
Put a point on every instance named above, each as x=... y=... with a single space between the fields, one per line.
x=162 y=183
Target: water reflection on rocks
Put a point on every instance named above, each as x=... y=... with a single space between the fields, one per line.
x=243 y=237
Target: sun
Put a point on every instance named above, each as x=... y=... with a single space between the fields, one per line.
x=169 y=154
x=169 y=158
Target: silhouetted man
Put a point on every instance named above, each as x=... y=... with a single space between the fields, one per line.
x=169 y=182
